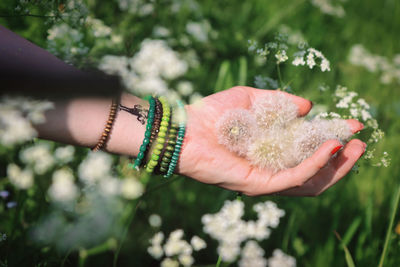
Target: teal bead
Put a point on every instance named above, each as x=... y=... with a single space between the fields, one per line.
x=146 y=141
x=140 y=155
x=174 y=158
x=147 y=134
x=142 y=148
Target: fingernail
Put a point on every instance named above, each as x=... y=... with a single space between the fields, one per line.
x=336 y=149
x=361 y=127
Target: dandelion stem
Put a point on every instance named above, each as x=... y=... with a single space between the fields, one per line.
x=395 y=205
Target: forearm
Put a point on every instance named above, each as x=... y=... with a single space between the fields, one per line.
x=81 y=121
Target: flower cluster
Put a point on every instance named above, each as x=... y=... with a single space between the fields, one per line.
x=175 y=248
x=228 y=228
x=270 y=136
x=389 y=70
x=352 y=107
x=149 y=70
x=17 y=114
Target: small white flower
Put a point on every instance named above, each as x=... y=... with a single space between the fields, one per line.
x=197 y=243
x=22 y=179
x=167 y=262
x=185 y=88
x=131 y=188
x=310 y=60
x=63 y=188
x=155 y=251
x=186 y=259
x=280 y=259
x=298 y=61
x=95 y=167
x=252 y=255
x=281 y=56
x=155 y=220
x=64 y=154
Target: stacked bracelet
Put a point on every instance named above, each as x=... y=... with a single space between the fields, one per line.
x=166 y=159
x=107 y=129
x=179 y=141
x=147 y=134
x=153 y=162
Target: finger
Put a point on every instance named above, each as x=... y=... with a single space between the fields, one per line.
x=304 y=106
x=355 y=125
x=299 y=175
x=334 y=172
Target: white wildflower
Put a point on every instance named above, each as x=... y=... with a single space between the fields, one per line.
x=98 y=27
x=252 y=255
x=96 y=166
x=110 y=186
x=155 y=220
x=64 y=154
x=298 y=61
x=280 y=259
x=197 y=243
x=167 y=262
x=186 y=259
x=199 y=30
x=22 y=179
x=160 y=31
x=39 y=157
x=14 y=128
x=281 y=56
x=326 y=7
x=131 y=188
x=63 y=188
x=185 y=88
x=228 y=251
x=155 y=251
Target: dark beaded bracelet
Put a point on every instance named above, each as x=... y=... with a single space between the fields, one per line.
x=147 y=134
x=169 y=149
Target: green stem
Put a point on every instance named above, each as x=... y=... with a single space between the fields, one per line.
x=280 y=77
x=218 y=264
x=389 y=229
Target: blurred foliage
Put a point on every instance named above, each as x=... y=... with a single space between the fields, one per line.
x=357 y=208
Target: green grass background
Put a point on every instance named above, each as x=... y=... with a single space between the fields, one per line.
x=359 y=207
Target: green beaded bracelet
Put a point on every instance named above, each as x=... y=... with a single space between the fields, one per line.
x=165 y=161
x=179 y=141
x=152 y=163
x=147 y=134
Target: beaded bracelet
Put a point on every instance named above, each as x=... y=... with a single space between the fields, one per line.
x=179 y=141
x=109 y=124
x=147 y=134
x=153 y=162
x=166 y=159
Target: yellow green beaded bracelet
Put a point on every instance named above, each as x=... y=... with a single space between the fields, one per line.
x=159 y=144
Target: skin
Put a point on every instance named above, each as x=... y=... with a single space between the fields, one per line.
x=204 y=159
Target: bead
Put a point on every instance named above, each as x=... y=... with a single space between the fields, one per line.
x=172 y=130
x=155 y=157
x=140 y=155
x=161 y=134
x=163 y=129
x=152 y=163
x=169 y=148
x=165 y=119
x=164 y=164
x=163 y=169
x=164 y=123
x=165 y=159
x=142 y=148
x=147 y=134
x=159 y=146
x=146 y=141
x=167 y=154
x=157 y=151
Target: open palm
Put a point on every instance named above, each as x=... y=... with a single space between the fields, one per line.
x=205 y=160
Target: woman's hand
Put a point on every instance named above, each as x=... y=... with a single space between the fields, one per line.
x=205 y=160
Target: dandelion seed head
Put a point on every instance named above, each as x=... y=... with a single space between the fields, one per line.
x=274 y=110
x=235 y=129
